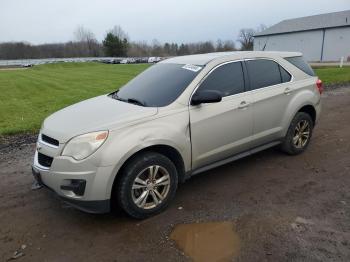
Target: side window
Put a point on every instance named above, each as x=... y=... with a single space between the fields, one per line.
x=263 y=73
x=227 y=79
x=286 y=77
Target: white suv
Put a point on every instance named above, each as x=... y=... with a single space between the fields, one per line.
x=178 y=118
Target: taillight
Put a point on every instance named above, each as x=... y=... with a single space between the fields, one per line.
x=319 y=86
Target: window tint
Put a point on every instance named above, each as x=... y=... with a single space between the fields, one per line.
x=263 y=73
x=300 y=63
x=286 y=77
x=159 y=85
x=227 y=79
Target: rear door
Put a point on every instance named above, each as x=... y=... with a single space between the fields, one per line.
x=271 y=91
x=222 y=129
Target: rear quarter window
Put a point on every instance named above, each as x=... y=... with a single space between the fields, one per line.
x=300 y=63
x=286 y=77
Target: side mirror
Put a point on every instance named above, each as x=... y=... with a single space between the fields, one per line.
x=206 y=96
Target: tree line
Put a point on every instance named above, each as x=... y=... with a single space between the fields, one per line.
x=117 y=44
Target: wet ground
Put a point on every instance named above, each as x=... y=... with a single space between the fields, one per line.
x=267 y=207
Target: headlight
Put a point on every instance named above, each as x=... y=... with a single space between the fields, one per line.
x=82 y=146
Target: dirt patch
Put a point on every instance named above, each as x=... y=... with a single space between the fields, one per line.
x=336 y=86
x=283 y=208
x=14 y=142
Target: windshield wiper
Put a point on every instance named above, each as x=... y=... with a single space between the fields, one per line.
x=128 y=100
x=114 y=95
x=135 y=101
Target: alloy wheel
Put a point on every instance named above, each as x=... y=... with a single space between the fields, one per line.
x=301 y=134
x=150 y=187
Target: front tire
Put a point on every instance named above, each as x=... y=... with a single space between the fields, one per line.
x=298 y=135
x=147 y=185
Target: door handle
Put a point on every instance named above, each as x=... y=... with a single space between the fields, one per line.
x=243 y=105
x=288 y=90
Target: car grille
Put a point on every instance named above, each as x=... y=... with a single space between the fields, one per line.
x=49 y=140
x=44 y=160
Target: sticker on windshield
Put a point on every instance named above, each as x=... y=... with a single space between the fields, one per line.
x=193 y=68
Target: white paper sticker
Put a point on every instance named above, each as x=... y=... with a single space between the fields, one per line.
x=193 y=68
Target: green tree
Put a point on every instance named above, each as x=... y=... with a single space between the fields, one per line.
x=115 y=46
x=183 y=49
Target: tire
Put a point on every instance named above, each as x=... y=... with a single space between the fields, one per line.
x=293 y=146
x=131 y=193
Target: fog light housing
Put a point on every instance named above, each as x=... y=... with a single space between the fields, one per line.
x=77 y=186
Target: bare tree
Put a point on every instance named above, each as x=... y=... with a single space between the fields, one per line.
x=82 y=34
x=229 y=45
x=119 y=32
x=246 y=38
x=87 y=40
x=222 y=46
x=139 y=49
x=157 y=48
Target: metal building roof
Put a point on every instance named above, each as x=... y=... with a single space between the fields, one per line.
x=337 y=19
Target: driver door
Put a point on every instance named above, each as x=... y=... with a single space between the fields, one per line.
x=223 y=129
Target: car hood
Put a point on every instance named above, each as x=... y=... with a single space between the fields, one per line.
x=99 y=113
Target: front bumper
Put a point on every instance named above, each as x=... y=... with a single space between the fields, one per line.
x=95 y=206
x=61 y=178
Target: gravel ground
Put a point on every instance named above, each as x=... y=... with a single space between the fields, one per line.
x=283 y=208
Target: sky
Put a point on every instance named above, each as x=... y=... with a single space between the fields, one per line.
x=50 y=21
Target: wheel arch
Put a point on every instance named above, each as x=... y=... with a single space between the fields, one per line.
x=306 y=108
x=169 y=151
x=303 y=101
x=310 y=110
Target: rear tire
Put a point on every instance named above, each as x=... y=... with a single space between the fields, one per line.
x=298 y=135
x=147 y=185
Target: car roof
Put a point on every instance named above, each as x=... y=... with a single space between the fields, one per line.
x=203 y=59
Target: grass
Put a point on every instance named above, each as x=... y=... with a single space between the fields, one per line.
x=28 y=96
x=333 y=75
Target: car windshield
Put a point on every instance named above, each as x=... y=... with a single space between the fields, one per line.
x=159 y=85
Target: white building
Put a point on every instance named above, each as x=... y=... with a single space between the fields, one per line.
x=324 y=37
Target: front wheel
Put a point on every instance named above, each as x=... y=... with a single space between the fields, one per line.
x=298 y=135
x=147 y=185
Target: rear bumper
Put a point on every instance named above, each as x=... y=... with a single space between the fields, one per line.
x=318 y=108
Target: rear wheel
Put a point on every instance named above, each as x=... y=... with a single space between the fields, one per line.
x=298 y=135
x=147 y=185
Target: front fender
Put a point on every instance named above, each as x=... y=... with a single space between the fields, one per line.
x=171 y=131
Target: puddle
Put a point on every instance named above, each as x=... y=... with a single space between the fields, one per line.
x=213 y=241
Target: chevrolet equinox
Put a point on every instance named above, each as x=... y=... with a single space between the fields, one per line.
x=178 y=118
